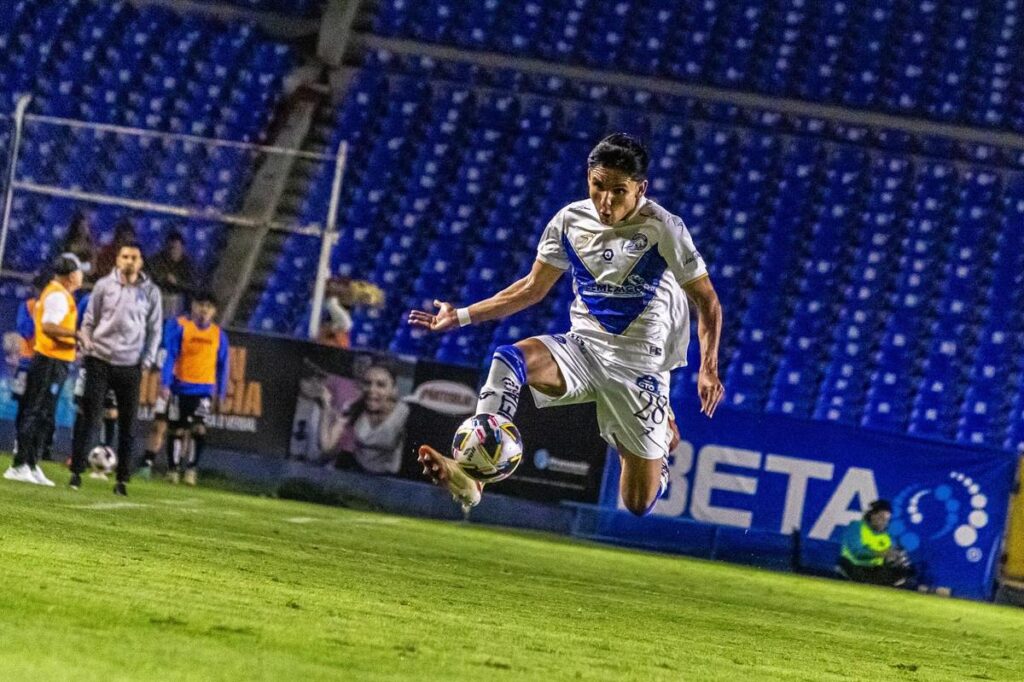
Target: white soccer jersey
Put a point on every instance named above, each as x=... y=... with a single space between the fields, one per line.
x=628 y=281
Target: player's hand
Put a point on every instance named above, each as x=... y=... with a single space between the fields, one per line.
x=165 y=392
x=442 y=321
x=710 y=390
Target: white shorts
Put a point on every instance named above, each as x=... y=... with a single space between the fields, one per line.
x=632 y=405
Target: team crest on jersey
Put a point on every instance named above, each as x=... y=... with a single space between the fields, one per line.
x=648 y=383
x=637 y=243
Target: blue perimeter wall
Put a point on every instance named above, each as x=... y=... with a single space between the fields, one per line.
x=758 y=478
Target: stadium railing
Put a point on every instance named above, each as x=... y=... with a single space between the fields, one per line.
x=199 y=186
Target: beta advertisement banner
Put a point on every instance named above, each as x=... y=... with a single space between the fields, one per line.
x=777 y=473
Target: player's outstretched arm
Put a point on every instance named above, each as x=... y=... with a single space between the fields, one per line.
x=519 y=295
x=709 y=331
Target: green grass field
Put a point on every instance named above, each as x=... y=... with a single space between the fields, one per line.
x=201 y=584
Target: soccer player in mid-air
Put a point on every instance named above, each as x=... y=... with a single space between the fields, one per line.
x=633 y=266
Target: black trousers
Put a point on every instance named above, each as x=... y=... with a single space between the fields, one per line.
x=885 y=574
x=45 y=379
x=124 y=381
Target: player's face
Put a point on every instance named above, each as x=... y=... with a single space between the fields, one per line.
x=378 y=387
x=129 y=261
x=75 y=280
x=615 y=194
x=203 y=312
x=879 y=521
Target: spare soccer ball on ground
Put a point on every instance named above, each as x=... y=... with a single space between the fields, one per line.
x=102 y=459
x=487 y=447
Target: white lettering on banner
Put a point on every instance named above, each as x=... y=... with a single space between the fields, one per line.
x=708 y=479
x=799 y=471
x=857 y=482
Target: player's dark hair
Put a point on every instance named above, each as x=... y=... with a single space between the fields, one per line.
x=130 y=245
x=174 y=236
x=879 y=505
x=41 y=279
x=621 y=152
x=204 y=296
x=63 y=266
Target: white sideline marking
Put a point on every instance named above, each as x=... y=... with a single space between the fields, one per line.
x=301 y=519
x=102 y=506
x=185 y=502
x=371 y=521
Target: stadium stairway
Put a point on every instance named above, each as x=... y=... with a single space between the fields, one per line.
x=297 y=205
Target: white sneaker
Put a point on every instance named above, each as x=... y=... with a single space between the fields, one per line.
x=22 y=473
x=446 y=472
x=40 y=477
x=99 y=475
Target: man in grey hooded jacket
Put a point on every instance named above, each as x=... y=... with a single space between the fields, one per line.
x=120 y=336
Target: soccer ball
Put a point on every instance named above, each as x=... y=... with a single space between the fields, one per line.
x=102 y=458
x=487 y=447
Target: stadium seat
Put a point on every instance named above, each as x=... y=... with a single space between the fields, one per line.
x=945 y=61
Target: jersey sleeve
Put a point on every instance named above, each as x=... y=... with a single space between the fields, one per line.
x=172 y=342
x=223 y=366
x=24 y=323
x=678 y=250
x=55 y=308
x=551 y=249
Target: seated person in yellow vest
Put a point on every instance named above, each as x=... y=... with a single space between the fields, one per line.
x=194 y=371
x=868 y=554
x=55 y=317
x=120 y=335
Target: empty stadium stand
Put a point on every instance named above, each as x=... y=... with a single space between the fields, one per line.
x=869 y=276
x=148 y=68
x=861 y=277
x=949 y=61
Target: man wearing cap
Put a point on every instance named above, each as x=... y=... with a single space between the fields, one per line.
x=868 y=554
x=120 y=336
x=55 y=317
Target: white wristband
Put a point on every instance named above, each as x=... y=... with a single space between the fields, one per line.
x=463 y=315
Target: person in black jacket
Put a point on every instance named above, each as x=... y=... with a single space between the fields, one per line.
x=172 y=271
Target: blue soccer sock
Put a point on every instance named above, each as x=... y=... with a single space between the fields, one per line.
x=500 y=393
